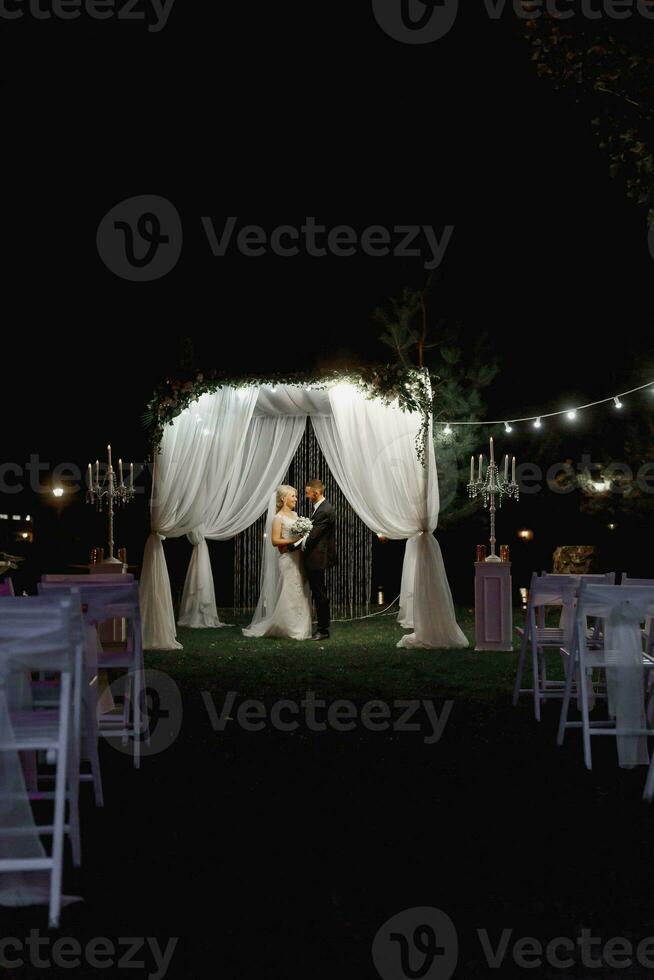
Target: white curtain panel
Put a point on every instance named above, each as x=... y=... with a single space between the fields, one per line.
x=236 y=498
x=210 y=429
x=370 y=447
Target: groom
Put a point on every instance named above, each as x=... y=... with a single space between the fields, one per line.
x=319 y=553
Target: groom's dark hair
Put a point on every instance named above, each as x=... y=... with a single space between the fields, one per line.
x=316 y=485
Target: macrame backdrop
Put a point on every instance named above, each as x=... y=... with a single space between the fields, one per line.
x=350 y=583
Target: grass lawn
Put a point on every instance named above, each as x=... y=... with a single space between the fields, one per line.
x=360 y=660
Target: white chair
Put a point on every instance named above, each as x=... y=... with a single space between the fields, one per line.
x=648 y=631
x=117 y=600
x=35 y=635
x=544 y=593
x=86 y=694
x=621 y=609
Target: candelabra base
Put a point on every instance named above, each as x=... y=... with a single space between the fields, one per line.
x=493 y=558
x=117 y=561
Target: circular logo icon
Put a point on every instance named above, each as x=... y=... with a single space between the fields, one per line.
x=417 y=944
x=416 y=21
x=161 y=713
x=140 y=239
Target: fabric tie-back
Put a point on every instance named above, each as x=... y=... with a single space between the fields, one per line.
x=216 y=491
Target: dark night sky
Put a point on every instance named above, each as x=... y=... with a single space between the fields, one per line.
x=272 y=115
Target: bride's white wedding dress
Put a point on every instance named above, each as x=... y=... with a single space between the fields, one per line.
x=291 y=617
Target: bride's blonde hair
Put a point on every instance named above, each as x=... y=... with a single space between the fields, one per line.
x=282 y=493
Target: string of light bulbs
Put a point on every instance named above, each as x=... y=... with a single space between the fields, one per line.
x=537 y=420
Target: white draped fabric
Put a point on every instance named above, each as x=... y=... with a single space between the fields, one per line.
x=370 y=447
x=223 y=457
x=623 y=609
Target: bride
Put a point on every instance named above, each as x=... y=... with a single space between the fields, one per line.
x=284 y=608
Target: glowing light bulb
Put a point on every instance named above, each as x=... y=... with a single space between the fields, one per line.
x=618 y=403
x=537 y=424
x=572 y=414
x=58 y=491
x=447 y=431
x=507 y=427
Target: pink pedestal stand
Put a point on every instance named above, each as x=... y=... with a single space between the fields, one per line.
x=493 y=606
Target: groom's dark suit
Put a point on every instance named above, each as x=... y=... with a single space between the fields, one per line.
x=320 y=554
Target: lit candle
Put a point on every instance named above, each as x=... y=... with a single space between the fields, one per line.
x=480 y=466
x=131 y=475
x=97 y=471
x=513 y=471
x=506 y=468
x=90 y=476
x=492 y=455
x=472 y=469
x=120 y=471
x=109 y=451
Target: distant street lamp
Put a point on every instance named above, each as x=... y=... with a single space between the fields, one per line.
x=58 y=493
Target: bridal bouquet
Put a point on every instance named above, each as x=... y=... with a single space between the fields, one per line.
x=301 y=525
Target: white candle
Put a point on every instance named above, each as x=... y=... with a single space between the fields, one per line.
x=480 y=466
x=109 y=451
x=513 y=471
x=131 y=474
x=472 y=469
x=506 y=468
x=492 y=455
x=120 y=471
x=90 y=476
x=97 y=471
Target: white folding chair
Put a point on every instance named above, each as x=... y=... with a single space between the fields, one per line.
x=44 y=702
x=35 y=635
x=544 y=594
x=118 y=600
x=86 y=694
x=625 y=606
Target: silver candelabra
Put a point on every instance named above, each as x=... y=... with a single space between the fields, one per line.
x=110 y=492
x=492 y=486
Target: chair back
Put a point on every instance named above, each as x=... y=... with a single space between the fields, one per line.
x=36 y=633
x=604 y=578
x=100 y=578
x=603 y=601
x=642 y=582
x=552 y=590
x=104 y=601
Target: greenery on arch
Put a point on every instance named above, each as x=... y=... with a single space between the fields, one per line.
x=412 y=388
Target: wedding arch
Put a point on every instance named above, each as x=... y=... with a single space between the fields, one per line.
x=221 y=456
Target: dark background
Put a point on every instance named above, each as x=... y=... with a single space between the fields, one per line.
x=272 y=115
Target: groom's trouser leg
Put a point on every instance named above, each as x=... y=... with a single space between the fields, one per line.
x=320 y=597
